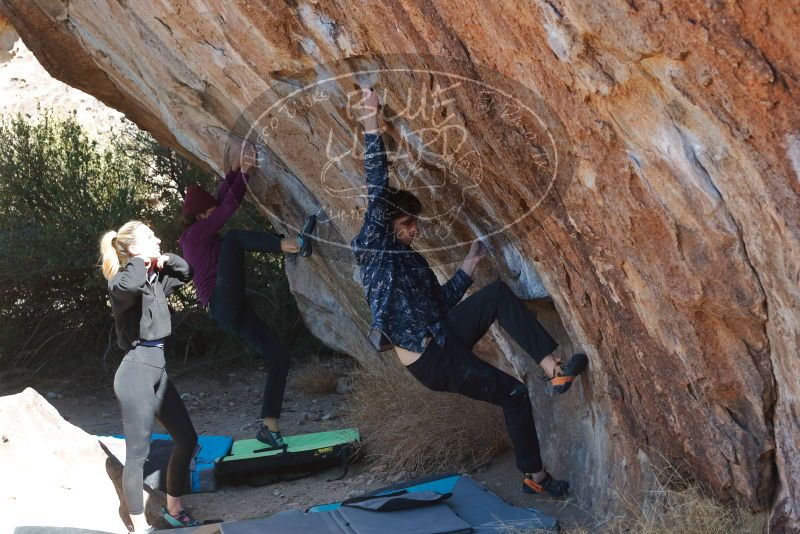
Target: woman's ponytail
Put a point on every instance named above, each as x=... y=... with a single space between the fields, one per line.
x=110 y=260
x=114 y=248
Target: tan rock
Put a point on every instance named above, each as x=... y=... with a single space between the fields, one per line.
x=8 y=36
x=54 y=473
x=652 y=185
x=27 y=88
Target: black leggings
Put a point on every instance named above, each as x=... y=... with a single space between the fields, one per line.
x=145 y=393
x=456 y=369
x=230 y=307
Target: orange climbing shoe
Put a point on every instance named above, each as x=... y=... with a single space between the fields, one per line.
x=548 y=485
x=563 y=380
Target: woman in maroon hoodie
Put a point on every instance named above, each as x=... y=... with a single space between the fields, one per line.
x=219 y=278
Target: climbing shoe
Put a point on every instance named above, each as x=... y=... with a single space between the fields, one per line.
x=183 y=519
x=564 y=378
x=304 y=237
x=548 y=485
x=268 y=437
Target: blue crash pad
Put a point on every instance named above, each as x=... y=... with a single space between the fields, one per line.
x=210 y=449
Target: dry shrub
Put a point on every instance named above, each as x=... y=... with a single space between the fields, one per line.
x=510 y=529
x=409 y=428
x=315 y=378
x=676 y=504
x=412 y=429
x=673 y=506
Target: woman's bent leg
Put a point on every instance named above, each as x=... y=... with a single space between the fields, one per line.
x=229 y=299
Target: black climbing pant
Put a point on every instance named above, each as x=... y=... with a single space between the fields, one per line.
x=145 y=393
x=232 y=309
x=456 y=369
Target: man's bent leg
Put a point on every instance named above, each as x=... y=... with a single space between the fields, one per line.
x=470 y=320
x=484 y=382
x=455 y=369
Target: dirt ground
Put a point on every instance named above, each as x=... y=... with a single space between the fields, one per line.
x=227 y=402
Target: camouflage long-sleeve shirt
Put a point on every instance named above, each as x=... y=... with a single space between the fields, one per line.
x=405 y=297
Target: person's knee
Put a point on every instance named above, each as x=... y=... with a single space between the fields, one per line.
x=277 y=362
x=134 y=463
x=233 y=236
x=504 y=287
x=283 y=358
x=228 y=320
x=186 y=441
x=519 y=389
x=233 y=242
x=136 y=454
x=225 y=317
x=519 y=394
x=501 y=289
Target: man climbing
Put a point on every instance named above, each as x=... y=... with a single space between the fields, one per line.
x=431 y=332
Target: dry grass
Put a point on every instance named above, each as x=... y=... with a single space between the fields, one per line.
x=673 y=506
x=411 y=429
x=676 y=504
x=315 y=378
x=515 y=530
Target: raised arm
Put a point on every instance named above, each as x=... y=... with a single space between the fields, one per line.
x=128 y=284
x=225 y=185
x=227 y=207
x=376 y=170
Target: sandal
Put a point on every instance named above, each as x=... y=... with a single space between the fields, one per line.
x=548 y=485
x=563 y=380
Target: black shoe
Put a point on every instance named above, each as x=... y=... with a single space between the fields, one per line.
x=549 y=485
x=304 y=237
x=268 y=437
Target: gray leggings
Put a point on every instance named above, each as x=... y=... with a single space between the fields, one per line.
x=145 y=393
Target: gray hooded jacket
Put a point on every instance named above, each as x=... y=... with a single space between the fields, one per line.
x=140 y=305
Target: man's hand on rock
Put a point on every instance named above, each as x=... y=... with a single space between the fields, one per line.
x=476 y=253
x=369 y=110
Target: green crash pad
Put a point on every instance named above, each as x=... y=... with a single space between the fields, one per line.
x=303 y=451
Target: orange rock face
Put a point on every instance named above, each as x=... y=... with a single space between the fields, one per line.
x=637 y=161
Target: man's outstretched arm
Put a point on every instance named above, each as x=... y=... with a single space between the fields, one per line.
x=376 y=170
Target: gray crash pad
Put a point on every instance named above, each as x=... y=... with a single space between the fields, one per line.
x=432 y=519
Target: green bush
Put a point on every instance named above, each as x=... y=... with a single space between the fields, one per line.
x=61 y=190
